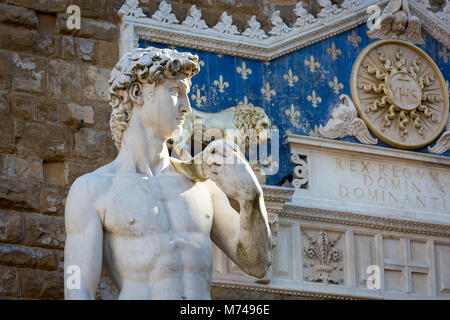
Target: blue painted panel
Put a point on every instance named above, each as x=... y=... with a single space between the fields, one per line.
x=308 y=81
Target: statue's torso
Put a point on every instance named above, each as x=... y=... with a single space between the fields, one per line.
x=157 y=236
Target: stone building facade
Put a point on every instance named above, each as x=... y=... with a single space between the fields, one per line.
x=54 y=127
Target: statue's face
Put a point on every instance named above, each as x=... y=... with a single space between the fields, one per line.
x=165 y=107
x=399 y=23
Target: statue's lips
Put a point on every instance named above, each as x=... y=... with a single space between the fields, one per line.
x=180 y=121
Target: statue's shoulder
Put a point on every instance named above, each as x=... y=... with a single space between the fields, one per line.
x=90 y=186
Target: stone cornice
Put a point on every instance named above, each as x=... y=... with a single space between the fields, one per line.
x=299 y=212
x=277 y=194
x=227 y=40
x=254 y=287
x=297 y=140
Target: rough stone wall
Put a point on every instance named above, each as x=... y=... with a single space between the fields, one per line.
x=50 y=80
x=54 y=123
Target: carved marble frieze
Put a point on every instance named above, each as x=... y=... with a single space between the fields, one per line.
x=253 y=42
x=400 y=93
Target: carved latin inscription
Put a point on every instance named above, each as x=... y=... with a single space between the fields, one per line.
x=394 y=185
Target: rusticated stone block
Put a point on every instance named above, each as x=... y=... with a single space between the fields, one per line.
x=21 y=168
x=64 y=79
x=92 y=29
x=72 y=114
x=9 y=284
x=43 y=45
x=75 y=170
x=30 y=73
x=46 y=141
x=18 y=15
x=19 y=195
x=44 y=231
x=45 y=109
x=21 y=106
x=4 y=104
x=5 y=68
x=51 y=6
x=19 y=126
x=108 y=53
x=53 y=199
x=95 y=85
x=65 y=47
x=11 y=226
x=39 y=284
x=92 y=144
x=7 y=139
x=87 y=49
x=26 y=257
x=60 y=260
x=54 y=173
x=16 y=39
x=102 y=116
x=94 y=9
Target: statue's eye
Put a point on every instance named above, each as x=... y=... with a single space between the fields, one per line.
x=175 y=91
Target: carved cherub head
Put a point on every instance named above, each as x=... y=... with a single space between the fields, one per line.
x=399 y=22
x=140 y=79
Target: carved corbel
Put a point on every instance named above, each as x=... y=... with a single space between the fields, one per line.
x=301 y=170
x=345 y=122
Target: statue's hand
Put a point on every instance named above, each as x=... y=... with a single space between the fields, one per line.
x=223 y=163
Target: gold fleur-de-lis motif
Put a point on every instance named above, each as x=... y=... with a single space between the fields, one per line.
x=314 y=99
x=202 y=63
x=267 y=92
x=293 y=115
x=444 y=54
x=172 y=47
x=198 y=98
x=221 y=84
x=312 y=64
x=243 y=70
x=290 y=78
x=354 y=39
x=315 y=132
x=336 y=85
x=334 y=52
x=220 y=55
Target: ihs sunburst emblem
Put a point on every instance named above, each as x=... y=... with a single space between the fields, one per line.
x=400 y=93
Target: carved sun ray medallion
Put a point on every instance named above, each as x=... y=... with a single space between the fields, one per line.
x=400 y=93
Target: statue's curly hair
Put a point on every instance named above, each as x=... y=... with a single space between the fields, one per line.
x=150 y=65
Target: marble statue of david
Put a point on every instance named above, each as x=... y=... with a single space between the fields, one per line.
x=149 y=218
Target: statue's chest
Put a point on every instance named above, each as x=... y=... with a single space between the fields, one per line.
x=139 y=206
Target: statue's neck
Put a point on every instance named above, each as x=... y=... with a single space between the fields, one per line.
x=143 y=150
